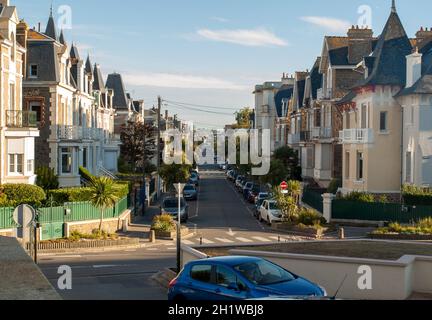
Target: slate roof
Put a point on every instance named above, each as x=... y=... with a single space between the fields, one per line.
x=316 y=78
x=300 y=92
x=88 y=66
x=285 y=92
x=51 y=30
x=389 y=63
x=98 y=81
x=43 y=53
x=424 y=84
x=62 y=38
x=74 y=52
x=115 y=82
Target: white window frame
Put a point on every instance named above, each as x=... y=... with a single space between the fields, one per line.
x=14 y=158
x=71 y=153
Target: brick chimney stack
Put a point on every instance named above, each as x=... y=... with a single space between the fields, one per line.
x=359 y=43
x=423 y=34
x=21 y=37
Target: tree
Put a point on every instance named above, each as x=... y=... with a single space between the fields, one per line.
x=243 y=118
x=287 y=204
x=291 y=161
x=103 y=196
x=175 y=173
x=132 y=148
x=47 y=179
x=278 y=173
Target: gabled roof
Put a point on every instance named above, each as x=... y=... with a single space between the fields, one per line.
x=88 y=66
x=115 y=82
x=98 y=81
x=389 y=65
x=51 y=30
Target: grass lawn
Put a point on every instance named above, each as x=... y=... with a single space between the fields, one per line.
x=352 y=249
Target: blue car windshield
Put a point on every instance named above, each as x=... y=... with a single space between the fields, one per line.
x=264 y=273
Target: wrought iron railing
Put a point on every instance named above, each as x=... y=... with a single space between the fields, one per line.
x=21 y=119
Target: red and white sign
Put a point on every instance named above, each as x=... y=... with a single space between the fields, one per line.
x=284 y=185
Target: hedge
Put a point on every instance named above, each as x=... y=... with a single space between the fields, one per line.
x=13 y=195
x=417 y=196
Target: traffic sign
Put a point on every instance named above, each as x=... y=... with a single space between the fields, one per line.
x=284 y=185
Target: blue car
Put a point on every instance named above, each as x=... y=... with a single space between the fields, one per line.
x=238 y=278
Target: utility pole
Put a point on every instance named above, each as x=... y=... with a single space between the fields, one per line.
x=144 y=167
x=158 y=144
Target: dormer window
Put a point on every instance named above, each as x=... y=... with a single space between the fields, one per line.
x=34 y=71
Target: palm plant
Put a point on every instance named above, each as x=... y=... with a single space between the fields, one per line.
x=103 y=196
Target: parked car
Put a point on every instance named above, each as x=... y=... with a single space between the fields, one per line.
x=253 y=193
x=270 y=212
x=229 y=174
x=242 y=185
x=239 y=180
x=262 y=196
x=238 y=278
x=195 y=172
x=248 y=186
x=194 y=179
x=190 y=192
x=170 y=206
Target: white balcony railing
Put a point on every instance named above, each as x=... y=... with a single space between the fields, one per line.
x=321 y=133
x=324 y=94
x=357 y=136
x=82 y=133
x=293 y=138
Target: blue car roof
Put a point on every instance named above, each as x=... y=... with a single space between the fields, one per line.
x=230 y=260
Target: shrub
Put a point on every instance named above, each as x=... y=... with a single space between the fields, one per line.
x=61 y=196
x=417 y=196
x=46 y=178
x=122 y=188
x=85 y=174
x=335 y=184
x=164 y=223
x=425 y=223
x=360 y=197
x=309 y=217
x=13 y=195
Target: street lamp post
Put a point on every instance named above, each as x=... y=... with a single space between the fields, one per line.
x=179 y=188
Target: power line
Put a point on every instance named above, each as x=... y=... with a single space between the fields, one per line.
x=198 y=110
x=201 y=106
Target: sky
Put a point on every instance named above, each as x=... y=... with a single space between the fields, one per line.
x=210 y=53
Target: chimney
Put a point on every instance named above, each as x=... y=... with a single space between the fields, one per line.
x=4 y=3
x=423 y=34
x=21 y=36
x=359 y=43
x=166 y=114
x=286 y=79
x=414 y=68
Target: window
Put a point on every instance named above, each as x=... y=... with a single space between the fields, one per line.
x=34 y=71
x=408 y=167
x=264 y=273
x=360 y=163
x=383 y=121
x=225 y=277
x=36 y=107
x=16 y=163
x=66 y=160
x=85 y=157
x=12 y=97
x=347 y=165
x=348 y=121
x=30 y=165
x=201 y=273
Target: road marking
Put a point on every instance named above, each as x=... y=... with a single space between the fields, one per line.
x=244 y=240
x=62 y=257
x=261 y=239
x=102 y=266
x=231 y=233
x=168 y=244
x=224 y=240
x=189 y=243
x=152 y=249
x=206 y=241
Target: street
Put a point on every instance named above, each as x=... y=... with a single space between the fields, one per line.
x=220 y=216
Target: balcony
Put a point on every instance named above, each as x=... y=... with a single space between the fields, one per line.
x=305 y=136
x=293 y=138
x=21 y=119
x=321 y=133
x=360 y=136
x=324 y=94
x=70 y=133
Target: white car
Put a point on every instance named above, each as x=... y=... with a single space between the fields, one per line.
x=270 y=212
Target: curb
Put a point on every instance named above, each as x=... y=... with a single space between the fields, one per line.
x=84 y=250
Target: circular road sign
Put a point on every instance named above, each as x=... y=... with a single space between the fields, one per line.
x=284 y=185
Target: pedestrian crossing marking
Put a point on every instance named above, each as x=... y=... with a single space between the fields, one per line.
x=172 y=248
x=187 y=242
x=206 y=241
x=277 y=238
x=261 y=239
x=224 y=240
x=244 y=240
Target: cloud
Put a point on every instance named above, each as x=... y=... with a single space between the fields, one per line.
x=220 y=19
x=167 y=80
x=252 y=38
x=328 y=23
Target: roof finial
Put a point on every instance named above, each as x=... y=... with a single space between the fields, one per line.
x=393 y=6
x=51 y=9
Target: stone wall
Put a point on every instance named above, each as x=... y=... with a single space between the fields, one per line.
x=6 y=233
x=109 y=225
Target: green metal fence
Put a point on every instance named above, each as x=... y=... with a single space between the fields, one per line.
x=313 y=198
x=6 y=218
x=52 y=219
x=349 y=210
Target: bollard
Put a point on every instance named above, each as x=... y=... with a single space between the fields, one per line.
x=201 y=241
x=341 y=233
x=152 y=236
x=279 y=239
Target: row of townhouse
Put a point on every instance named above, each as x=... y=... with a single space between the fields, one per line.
x=362 y=114
x=56 y=109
